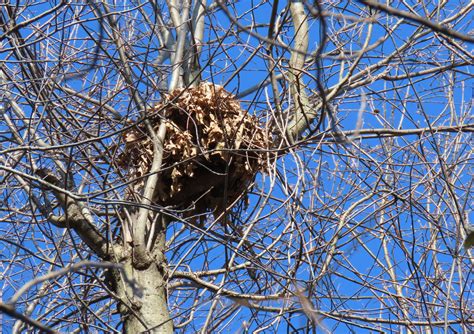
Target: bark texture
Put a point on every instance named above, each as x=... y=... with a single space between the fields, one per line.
x=147 y=311
x=142 y=291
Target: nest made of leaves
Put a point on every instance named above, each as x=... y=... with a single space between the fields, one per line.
x=212 y=150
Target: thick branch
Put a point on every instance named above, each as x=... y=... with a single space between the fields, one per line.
x=197 y=34
x=76 y=218
x=303 y=113
x=139 y=228
x=181 y=31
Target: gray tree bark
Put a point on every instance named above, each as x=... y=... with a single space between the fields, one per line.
x=142 y=290
x=147 y=312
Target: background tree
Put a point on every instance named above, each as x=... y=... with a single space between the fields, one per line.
x=356 y=223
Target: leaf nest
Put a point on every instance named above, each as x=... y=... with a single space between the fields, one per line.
x=212 y=150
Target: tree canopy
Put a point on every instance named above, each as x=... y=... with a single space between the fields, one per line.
x=236 y=166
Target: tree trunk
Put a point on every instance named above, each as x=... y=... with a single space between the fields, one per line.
x=144 y=306
x=150 y=310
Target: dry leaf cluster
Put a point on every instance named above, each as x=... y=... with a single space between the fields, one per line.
x=212 y=150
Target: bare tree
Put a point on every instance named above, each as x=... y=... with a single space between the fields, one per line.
x=238 y=166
